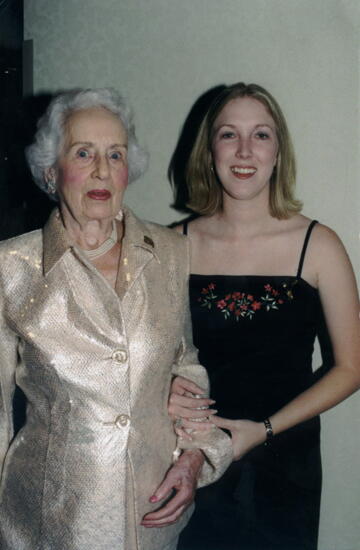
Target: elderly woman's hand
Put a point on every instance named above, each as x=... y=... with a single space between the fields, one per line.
x=181 y=479
x=188 y=407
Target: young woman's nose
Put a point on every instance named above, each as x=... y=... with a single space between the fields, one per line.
x=244 y=148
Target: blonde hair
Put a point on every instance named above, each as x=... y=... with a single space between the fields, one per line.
x=205 y=192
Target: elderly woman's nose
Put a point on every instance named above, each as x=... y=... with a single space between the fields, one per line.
x=102 y=166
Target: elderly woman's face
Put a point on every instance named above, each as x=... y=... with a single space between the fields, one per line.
x=92 y=171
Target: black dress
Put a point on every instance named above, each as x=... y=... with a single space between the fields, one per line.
x=255 y=336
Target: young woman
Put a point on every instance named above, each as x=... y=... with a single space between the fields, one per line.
x=263 y=277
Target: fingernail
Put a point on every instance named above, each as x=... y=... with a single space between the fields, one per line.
x=212 y=401
x=153 y=498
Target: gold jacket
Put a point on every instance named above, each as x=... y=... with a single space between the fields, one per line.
x=95 y=366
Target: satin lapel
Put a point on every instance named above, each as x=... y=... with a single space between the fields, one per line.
x=138 y=249
x=94 y=296
x=55 y=241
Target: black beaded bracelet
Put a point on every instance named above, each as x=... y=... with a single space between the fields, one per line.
x=269 y=431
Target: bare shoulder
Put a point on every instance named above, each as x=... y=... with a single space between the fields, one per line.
x=325 y=255
x=328 y=256
x=295 y=226
x=324 y=240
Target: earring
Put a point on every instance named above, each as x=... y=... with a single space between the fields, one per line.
x=50 y=181
x=51 y=186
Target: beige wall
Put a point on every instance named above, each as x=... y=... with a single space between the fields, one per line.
x=163 y=54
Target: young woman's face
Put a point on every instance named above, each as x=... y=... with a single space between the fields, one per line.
x=92 y=170
x=244 y=148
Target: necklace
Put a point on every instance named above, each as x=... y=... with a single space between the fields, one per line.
x=104 y=247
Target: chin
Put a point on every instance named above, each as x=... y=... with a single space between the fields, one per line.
x=100 y=212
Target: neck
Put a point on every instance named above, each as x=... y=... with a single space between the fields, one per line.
x=105 y=247
x=245 y=216
x=88 y=234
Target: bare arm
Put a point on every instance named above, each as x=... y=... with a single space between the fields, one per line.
x=340 y=301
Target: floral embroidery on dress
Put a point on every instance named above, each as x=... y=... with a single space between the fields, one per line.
x=241 y=304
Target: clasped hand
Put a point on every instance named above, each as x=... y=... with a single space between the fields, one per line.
x=195 y=413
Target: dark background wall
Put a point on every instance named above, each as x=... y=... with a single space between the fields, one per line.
x=22 y=206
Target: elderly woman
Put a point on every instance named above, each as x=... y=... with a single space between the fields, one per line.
x=93 y=327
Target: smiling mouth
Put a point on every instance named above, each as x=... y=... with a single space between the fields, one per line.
x=243 y=172
x=99 y=194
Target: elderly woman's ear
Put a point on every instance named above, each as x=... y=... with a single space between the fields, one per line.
x=50 y=180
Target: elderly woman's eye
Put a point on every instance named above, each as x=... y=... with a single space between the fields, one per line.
x=115 y=155
x=83 y=154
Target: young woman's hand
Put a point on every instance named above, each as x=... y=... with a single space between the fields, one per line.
x=245 y=434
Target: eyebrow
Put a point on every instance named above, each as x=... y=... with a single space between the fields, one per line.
x=234 y=126
x=91 y=144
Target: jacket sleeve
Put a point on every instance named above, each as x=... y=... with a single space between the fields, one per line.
x=8 y=361
x=214 y=443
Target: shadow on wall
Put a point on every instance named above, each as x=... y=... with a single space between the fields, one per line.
x=180 y=157
x=24 y=206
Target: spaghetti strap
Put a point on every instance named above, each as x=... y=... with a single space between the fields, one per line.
x=185 y=228
x=306 y=241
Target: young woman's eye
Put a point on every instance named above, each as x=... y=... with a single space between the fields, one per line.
x=227 y=135
x=262 y=135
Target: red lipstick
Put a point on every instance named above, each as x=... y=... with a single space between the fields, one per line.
x=99 y=194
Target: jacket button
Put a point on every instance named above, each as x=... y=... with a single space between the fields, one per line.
x=119 y=356
x=121 y=421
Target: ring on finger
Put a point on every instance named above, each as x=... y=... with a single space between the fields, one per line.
x=202 y=419
x=178 y=423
